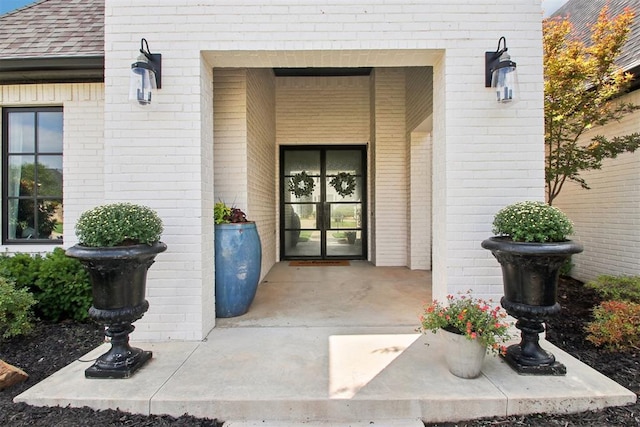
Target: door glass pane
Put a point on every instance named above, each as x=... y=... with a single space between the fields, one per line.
x=344 y=243
x=302 y=243
x=299 y=161
x=345 y=216
x=344 y=188
x=349 y=161
x=302 y=188
x=301 y=236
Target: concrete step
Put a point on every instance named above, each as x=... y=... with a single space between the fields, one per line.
x=339 y=375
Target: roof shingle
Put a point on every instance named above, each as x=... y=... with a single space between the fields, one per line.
x=53 y=28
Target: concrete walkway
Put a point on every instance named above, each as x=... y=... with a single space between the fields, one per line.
x=329 y=346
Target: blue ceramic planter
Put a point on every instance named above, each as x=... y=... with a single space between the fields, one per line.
x=238 y=260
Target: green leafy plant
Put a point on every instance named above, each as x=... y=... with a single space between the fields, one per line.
x=531 y=221
x=15 y=309
x=20 y=268
x=621 y=288
x=468 y=316
x=223 y=214
x=118 y=224
x=616 y=325
x=64 y=288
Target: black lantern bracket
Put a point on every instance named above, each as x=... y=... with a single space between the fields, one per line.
x=153 y=62
x=494 y=61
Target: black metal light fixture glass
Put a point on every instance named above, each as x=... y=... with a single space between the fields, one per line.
x=145 y=75
x=500 y=73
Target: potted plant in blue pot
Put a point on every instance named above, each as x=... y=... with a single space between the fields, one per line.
x=117 y=244
x=531 y=246
x=238 y=260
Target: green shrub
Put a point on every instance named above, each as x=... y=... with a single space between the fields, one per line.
x=15 y=309
x=625 y=288
x=63 y=288
x=616 y=325
x=20 y=268
x=567 y=266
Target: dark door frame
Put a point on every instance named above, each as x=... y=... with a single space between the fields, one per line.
x=363 y=148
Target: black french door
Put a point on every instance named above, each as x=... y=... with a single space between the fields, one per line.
x=323 y=202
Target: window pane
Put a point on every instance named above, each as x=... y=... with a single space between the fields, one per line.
x=49 y=176
x=22 y=132
x=49 y=219
x=21 y=219
x=50 y=132
x=21 y=180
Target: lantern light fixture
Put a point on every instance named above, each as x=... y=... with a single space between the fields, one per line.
x=145 y=75
x=500 y=73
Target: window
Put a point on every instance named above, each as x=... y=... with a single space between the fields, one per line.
x=32 y=175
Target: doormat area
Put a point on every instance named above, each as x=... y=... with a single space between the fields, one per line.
x=319 y=263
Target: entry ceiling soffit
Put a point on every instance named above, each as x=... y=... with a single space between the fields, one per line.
x=322 y=58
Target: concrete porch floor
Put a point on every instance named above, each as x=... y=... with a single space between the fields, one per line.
x=326 y=346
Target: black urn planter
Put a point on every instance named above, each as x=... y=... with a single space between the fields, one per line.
x=118 y=276
x=530 y=274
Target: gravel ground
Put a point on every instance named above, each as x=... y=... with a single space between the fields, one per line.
x=53 y=346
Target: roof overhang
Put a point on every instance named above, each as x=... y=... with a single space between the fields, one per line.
x=72 y=69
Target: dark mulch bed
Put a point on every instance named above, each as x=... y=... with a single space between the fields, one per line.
x=52 y=347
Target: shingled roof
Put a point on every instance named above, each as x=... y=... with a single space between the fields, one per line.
x=583 y=14
x=53 y=41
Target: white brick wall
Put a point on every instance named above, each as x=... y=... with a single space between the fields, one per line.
x=390 y=187
x=419 y=108
x=419 y=176
x=607 y=217
x=484 y=155
x=230 y=141
x=261 y=141
x=326 y=110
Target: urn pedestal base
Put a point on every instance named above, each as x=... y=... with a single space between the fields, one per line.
x=514 y=358
x=122 y=360
x=527 y=357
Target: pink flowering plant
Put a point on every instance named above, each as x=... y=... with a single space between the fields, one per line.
x=472 y=317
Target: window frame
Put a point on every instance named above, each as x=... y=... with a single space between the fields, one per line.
x=6 y=111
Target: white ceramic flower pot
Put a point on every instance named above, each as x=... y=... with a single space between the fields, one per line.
x=464 y=357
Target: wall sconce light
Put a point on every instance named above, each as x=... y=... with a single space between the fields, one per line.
x=500 y=72
x=145 y=75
